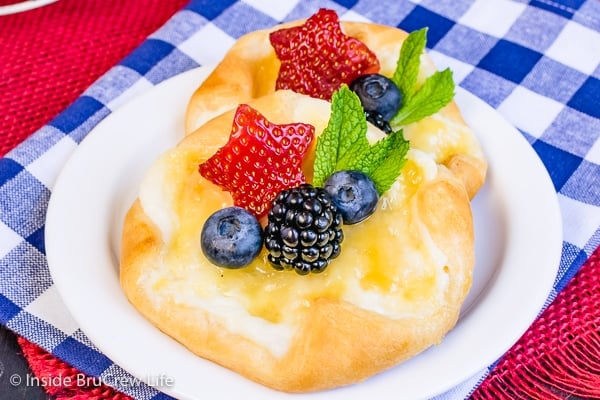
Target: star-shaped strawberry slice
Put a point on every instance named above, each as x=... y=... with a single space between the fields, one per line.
x=259 y=160
x=317 y=57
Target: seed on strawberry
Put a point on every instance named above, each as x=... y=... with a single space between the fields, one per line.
x=259 y=160
x=317 y=57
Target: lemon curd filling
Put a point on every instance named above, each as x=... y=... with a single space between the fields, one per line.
x=369 y=259
x=388 y=263
x=441 y=136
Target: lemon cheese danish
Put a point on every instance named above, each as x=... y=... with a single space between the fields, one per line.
x=309 y=243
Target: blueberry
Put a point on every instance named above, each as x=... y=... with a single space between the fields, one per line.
x=354 y=195
x=231 y=237
x=378 y=95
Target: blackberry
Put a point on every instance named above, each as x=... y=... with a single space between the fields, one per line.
x=377 y=119
x=304 y=230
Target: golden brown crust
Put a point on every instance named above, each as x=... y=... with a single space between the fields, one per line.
x=335 y=342
x=471 y=171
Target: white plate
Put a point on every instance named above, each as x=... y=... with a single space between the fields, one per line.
x=518 y=244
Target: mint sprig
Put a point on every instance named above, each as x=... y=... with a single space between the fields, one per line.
x=436 y=91
x=343 y=145
x=407 y=67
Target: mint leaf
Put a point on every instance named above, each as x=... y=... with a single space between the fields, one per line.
x=435 y=93
x=343 y=145
x=407 y=67
x=344 y=137
x=353 y=128
x=389 y=169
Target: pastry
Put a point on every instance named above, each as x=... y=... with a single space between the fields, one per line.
x=392 y=284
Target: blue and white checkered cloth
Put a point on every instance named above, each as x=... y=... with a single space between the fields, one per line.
x=537 y=62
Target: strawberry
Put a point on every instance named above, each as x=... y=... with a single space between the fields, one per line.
x=317 y=57
x=259 y=160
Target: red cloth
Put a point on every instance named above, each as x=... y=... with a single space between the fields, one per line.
x=559 y=355
x=48 y=56
x=9 y=2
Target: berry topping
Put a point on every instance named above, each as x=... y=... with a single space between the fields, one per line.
x=380 y=97
x=259 y=160
x=231 y=237
x=317 y=57
x=354 y=195
x=304 y=231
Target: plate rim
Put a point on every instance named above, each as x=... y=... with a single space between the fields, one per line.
x=70 y=171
